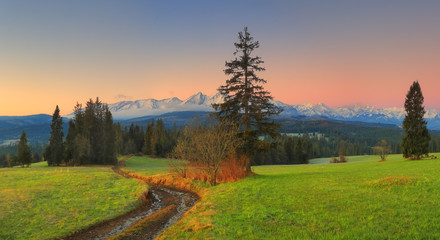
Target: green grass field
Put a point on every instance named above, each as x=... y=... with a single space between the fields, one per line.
x=48 y=202
x=147 y=166
x=365 y=199
x=361 y=199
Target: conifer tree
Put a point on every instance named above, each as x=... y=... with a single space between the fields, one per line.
x=55 y=149
x=245 y=100
x=415 y=143
x=24 y=155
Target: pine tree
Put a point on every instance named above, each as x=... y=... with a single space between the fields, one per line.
x=416 y=140
x=55 y=149
x=246 y=102
x=24 y=155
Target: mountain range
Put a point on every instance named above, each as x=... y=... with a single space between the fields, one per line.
x=200 y=102
x=151 y=107
x=174 y=110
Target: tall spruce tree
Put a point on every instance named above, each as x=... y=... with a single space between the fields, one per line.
x=245 y=100
x=24 y=155
x=415 y=143
x=55 y=149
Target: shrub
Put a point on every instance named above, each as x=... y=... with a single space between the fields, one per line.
x=342 y=159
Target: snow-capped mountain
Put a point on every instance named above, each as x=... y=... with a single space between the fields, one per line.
x=202 y=102
x=360 y=113
x=151 y=107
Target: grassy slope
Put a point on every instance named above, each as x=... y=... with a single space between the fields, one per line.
x=43 y=202
x=395 y=199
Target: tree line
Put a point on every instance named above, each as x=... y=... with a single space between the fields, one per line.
x=24 y=155
x=8 y=154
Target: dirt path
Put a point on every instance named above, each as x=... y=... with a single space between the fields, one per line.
x=155 y=200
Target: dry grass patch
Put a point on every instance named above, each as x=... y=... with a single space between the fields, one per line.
x=393 y=181
x=198 y=220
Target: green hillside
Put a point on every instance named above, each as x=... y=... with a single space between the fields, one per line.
x=366 y=199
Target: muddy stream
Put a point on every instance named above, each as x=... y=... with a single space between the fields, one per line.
x=157 y=199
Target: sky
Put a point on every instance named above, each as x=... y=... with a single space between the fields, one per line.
x=333 y=52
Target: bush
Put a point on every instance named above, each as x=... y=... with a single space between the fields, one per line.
x=342 y=159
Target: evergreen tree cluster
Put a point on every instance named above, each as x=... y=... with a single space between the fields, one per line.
x=158 y=140
x=130 y=140
x=359 y=140
x=291 y=150
x=344 y=144
x=155 y=140
x=8 y=154
x=4 y=160
x=299 y=149
x=91 y=138
x=434 y=144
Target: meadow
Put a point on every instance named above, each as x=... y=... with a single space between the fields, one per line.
x=363 y=199
x=47 y=202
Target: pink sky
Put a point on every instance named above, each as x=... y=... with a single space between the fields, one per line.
x=339 y=54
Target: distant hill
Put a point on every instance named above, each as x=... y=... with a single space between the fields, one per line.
x=37 y=128
x=169 y=119
x=17 y=121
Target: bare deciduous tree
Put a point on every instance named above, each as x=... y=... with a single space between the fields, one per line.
x=382 y=149
x=208 y=145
